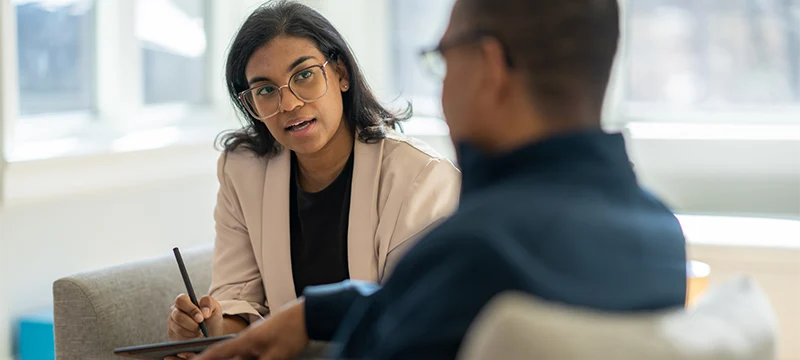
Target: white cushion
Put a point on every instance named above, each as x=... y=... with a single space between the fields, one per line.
x=734 y=321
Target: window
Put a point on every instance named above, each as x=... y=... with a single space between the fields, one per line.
x=55 y=56
x=94 y=71
x=417 y=25
x=714 y=55
x=173 y=39
x=680 y=60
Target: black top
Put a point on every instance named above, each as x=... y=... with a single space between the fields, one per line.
x=319 y=230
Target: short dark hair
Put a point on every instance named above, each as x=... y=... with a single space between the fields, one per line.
x=558 y=44
x=363 y=112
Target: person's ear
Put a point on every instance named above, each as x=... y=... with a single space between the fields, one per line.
x=496 y=71
x=344 y=76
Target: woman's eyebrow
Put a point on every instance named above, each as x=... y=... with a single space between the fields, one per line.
x=258 y=79
x=291 y=67
x=299 y=61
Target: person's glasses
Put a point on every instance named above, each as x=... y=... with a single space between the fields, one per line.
x=434 y=64
x=263 y=100
x=433 y=61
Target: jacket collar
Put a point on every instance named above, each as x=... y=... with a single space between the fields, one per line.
x=586 y=150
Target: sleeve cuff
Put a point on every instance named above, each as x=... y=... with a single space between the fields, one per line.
x=327 y=305
x=241 y=308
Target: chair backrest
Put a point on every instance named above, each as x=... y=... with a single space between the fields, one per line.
x=126 y=305
x=733 y=321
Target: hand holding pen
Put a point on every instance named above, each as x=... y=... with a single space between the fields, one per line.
x=190 y=318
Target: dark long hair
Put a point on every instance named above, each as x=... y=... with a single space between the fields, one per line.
x=362 y=110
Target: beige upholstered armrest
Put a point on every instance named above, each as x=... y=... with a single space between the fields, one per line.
x=99 y=311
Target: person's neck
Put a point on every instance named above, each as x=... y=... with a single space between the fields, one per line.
x=318 y=170
x=520 y=125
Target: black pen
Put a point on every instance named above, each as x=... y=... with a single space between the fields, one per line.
x=189 y=288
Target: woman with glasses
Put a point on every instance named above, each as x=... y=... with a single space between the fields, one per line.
x=317 y=187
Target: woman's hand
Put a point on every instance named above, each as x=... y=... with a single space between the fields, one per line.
x=281 y=336
x=184 y=318
x=182 y=356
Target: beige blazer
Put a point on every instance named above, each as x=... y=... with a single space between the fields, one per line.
x=400 y=187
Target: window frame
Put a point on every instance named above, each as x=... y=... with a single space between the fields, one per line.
x=691 y=164
x=694 y=154
x=9 y=90
x=90 y=150
x=118 y=109
x=8 y=102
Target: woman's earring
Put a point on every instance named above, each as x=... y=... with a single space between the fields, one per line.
x=345 y=87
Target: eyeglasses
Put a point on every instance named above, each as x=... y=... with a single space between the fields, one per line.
x=263 y=100
x=433 y=60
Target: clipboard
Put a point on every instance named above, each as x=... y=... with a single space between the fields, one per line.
x=162 y=350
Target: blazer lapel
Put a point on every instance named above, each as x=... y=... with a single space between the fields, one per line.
x=275 y=239
x=361 y=249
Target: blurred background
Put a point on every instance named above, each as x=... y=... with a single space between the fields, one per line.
x=109 y=111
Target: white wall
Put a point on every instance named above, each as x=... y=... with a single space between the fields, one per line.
x=50 y=239
x=729 y=176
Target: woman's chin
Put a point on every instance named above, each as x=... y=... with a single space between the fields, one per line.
x=306 y=146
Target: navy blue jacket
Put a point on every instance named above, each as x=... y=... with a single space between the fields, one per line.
x=563 y=219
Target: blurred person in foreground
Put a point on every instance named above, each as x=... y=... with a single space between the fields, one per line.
x=317 y=187
x=550 y=205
